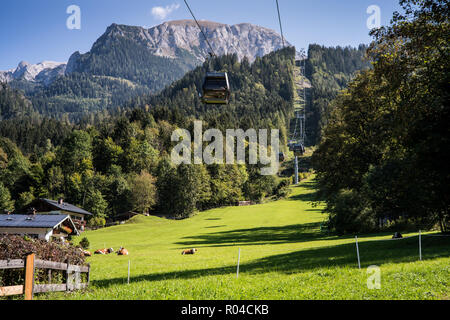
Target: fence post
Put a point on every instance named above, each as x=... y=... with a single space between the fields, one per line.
x=357 y=252
x=129 y=262
x=29 y=277
x=420 y=245
x=89 y=274
x=77 y=280
x=67 y=276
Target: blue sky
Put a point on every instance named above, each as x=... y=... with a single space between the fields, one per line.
x=35 y=30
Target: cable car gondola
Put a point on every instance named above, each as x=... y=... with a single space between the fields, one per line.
x=299 y=150
x=291 y=146
x=216 y=88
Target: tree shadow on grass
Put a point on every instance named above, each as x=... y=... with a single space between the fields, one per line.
x=311 y=185
x=295 y=233
x=306 y=197
x=309 y=196
x=344 y=255
x=315 y=210
x=254 y=236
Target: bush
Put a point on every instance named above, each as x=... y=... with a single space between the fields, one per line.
x=349 y=213
x=84 y=243
x=97 y=222
x=283 y=189
x=17 y=247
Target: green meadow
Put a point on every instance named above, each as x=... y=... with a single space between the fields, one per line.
x=284 y=255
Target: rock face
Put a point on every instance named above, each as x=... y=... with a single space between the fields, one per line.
x=245 y=39
x=166 y=40
x=44 y=72
x=71 y=64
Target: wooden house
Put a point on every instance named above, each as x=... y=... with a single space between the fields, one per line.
x=77 y=214
x=38 y=226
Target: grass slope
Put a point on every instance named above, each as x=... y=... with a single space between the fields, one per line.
x=283 y=256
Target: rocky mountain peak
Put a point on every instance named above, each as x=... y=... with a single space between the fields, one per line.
x=168 y=38
x=44 y=71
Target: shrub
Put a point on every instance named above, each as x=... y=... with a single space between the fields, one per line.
x=84 y=243
x=96 y=222
x=283 y=189
x=350 y=213
x=17 y=247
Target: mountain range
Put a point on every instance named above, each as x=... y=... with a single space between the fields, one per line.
x=181 y=41
x=45 y=72
x=127 y=61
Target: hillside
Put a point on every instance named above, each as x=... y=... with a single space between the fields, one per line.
x=13 y=103
x=283 y=256
x=262 y=94
x=262 y=97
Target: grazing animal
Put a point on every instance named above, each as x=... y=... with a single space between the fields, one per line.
x=189 y=251
x=104 y=251
x=100 y=251
x=397 y=235
x=85 y=253
x=122 y=252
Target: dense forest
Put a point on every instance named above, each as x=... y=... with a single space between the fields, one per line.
x=119 y=161
x=384 y=154
x=329 y=70
x=13 y=104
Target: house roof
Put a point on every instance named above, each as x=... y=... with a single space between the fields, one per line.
x=33 y=221
x=66 y=207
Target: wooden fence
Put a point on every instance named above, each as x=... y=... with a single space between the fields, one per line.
x=72 y=277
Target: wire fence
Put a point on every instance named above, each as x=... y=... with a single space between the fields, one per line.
x=419 y=245
x=409 y=237
x=364 y=255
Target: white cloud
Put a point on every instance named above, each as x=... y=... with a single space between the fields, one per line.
x=162 y=12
